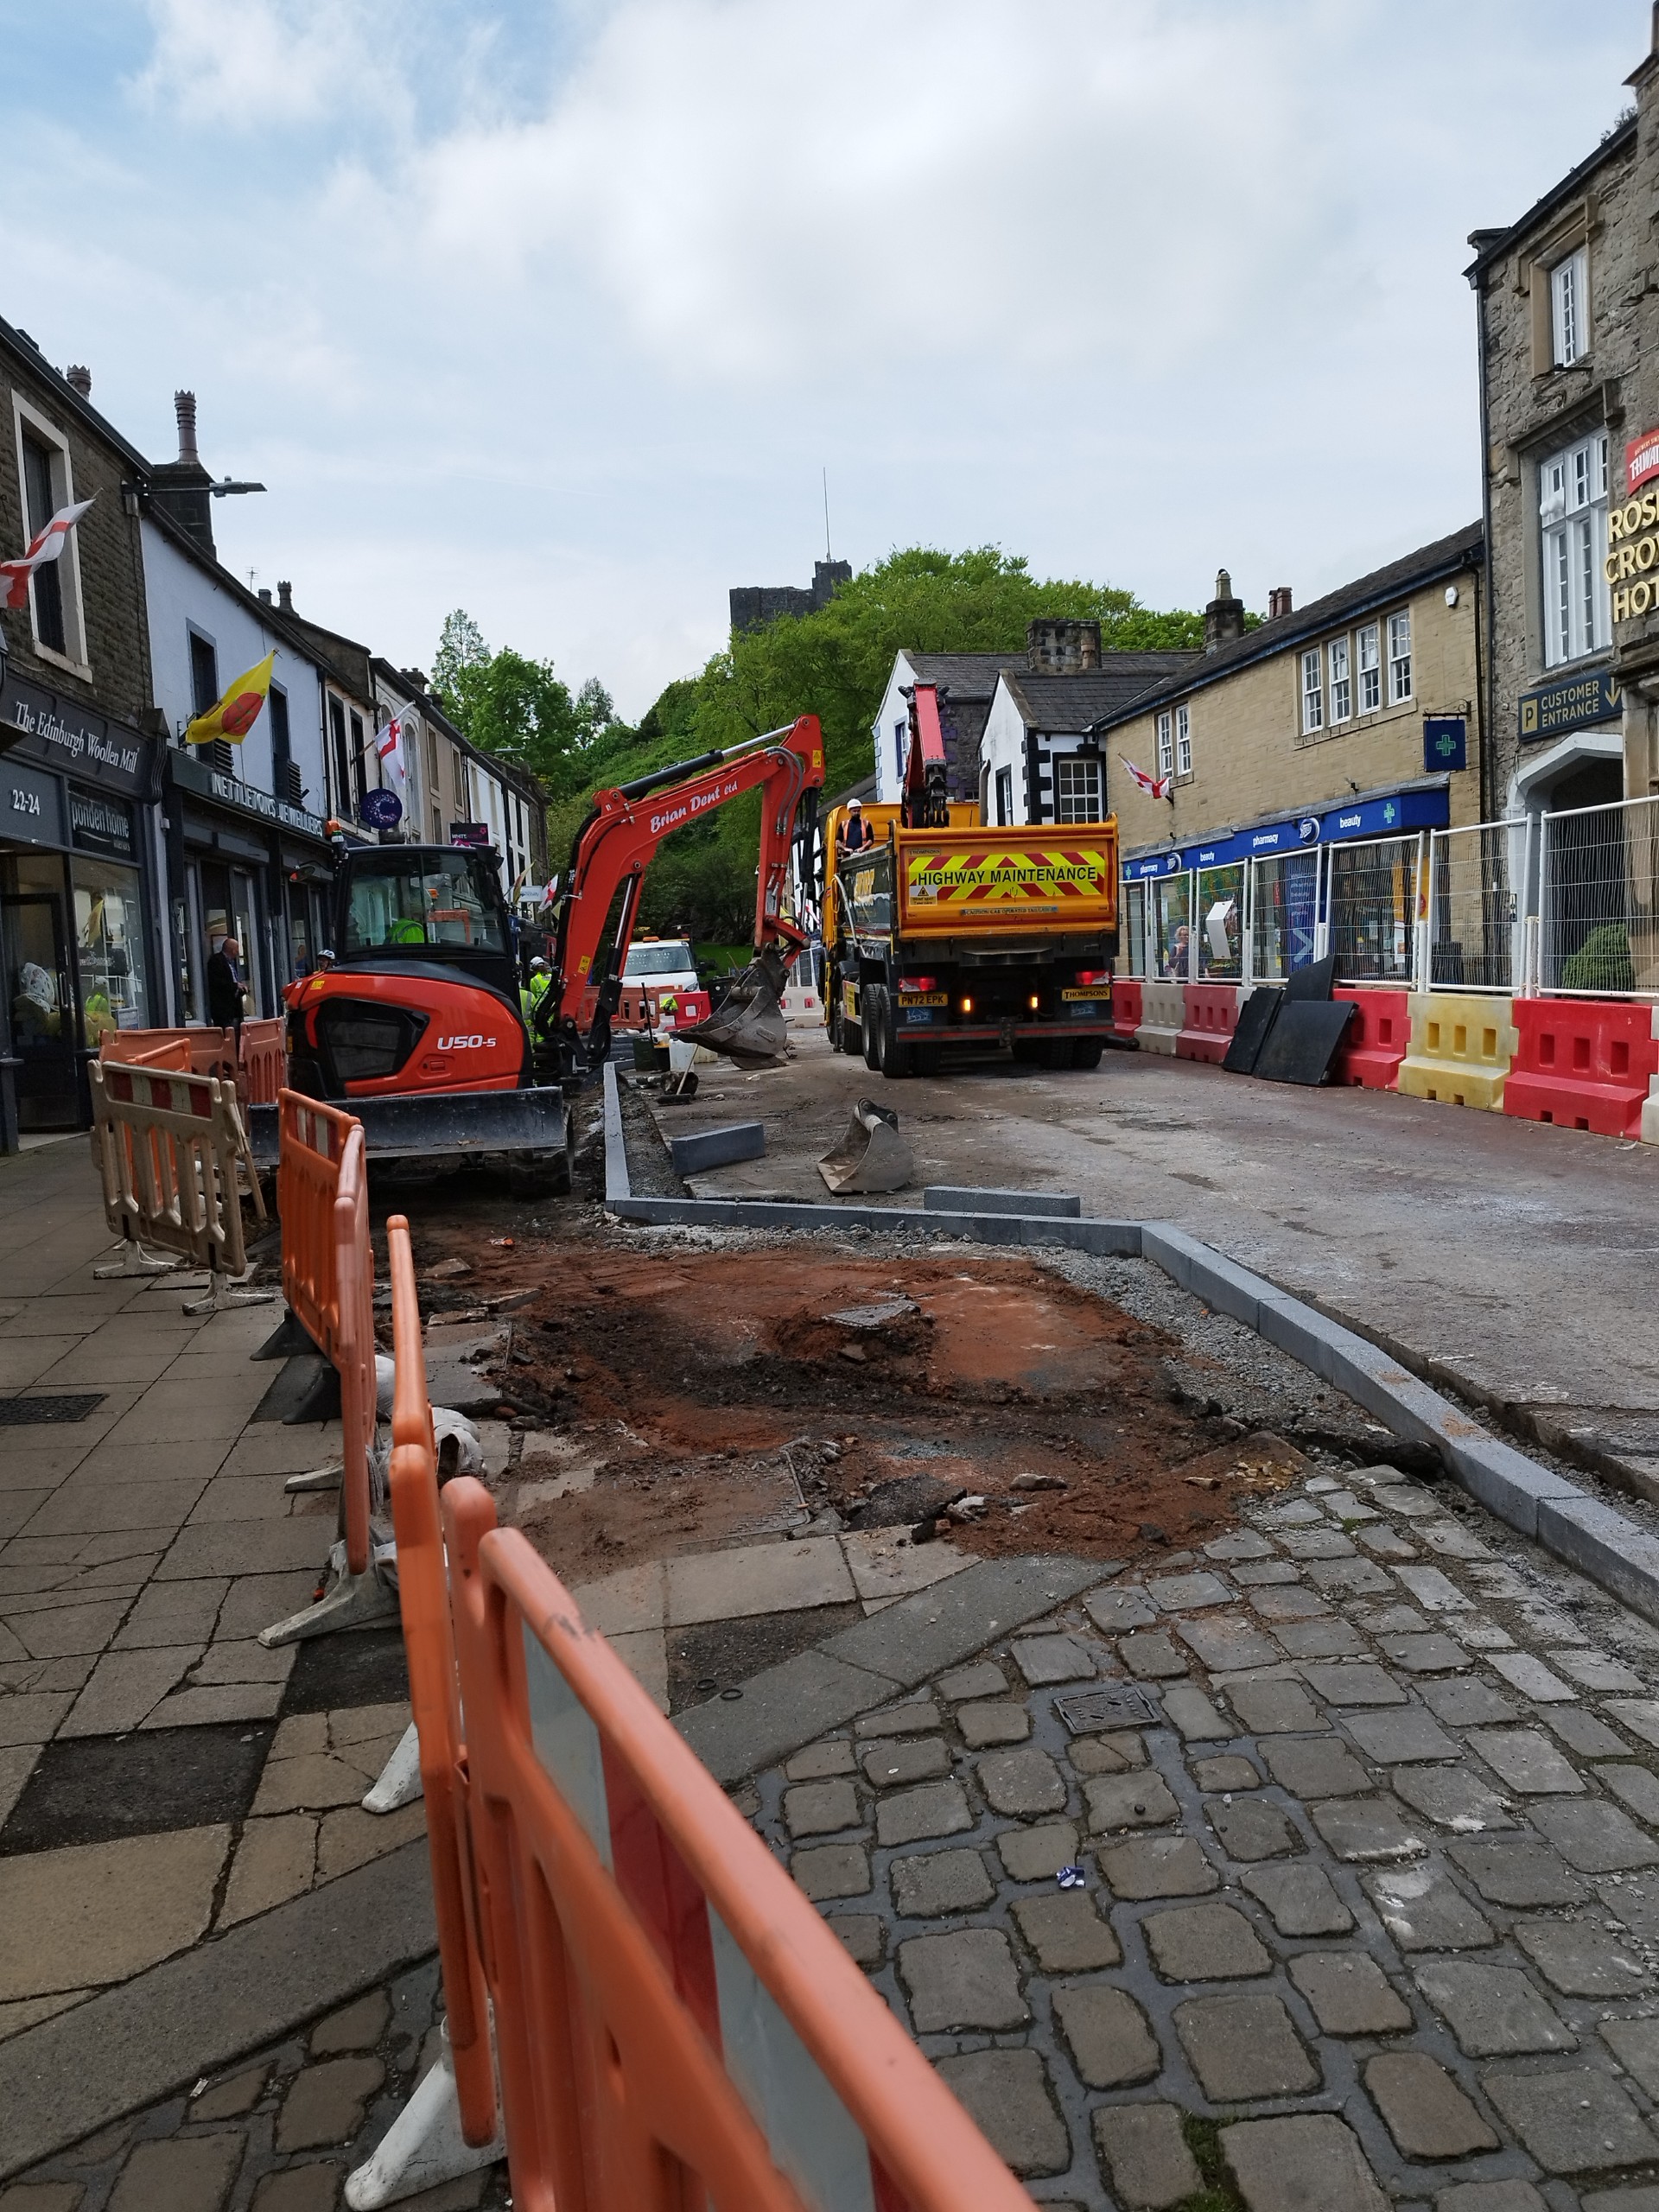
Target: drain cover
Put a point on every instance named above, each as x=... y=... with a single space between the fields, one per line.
x=71 y=1405
x=1122 y=1706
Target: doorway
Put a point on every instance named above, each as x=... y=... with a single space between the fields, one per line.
x=45 y=1035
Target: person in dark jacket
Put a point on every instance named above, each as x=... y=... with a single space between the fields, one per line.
x=225 y=986
x=855 y=831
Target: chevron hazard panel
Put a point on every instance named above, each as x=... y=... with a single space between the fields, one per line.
x=995 y=880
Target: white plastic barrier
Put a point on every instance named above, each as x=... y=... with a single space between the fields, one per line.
x=1163 y=1017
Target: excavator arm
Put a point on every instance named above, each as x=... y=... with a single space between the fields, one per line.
x=926 y=803
x=616 y=843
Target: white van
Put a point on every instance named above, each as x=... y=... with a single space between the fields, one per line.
x=661 y=963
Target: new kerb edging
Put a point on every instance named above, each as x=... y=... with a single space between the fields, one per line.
x=1552 y=1511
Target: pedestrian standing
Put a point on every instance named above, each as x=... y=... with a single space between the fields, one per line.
x=226 y=989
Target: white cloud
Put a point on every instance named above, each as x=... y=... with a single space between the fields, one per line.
x=556 y=312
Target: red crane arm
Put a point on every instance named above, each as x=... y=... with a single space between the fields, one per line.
x=626 y=825
x=924 y=804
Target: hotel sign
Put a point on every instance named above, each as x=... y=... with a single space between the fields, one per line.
x=1555 y=708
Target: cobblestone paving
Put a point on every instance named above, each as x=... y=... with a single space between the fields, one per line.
x=1366 y=1818
x=278 y=2132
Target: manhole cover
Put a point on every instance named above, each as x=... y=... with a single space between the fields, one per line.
x=1123 y=1706
x=73 y=1405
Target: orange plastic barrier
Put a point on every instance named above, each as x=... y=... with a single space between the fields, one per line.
x=146 y=1048
x=1377 y=1040
x=1211 y=1018
x=322 y=1196
x=264 y=1067
x=642 y=1010
x=1126 y=1013
x=1583 y=1063
x=675 y=2025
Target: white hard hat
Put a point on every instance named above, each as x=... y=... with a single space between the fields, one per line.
x=854 y=806
x=539 y=967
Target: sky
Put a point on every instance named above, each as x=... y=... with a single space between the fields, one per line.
x=559 y=312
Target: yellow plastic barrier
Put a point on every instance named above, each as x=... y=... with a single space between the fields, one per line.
x=1461 y=1047
x=1163 y=1017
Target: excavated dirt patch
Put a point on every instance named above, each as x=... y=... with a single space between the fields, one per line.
x=686 y=1398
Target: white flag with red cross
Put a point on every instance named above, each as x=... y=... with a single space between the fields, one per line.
x=392 y=744
x=1154 y=786
x=44 y=546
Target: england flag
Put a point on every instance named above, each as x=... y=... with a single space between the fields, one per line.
x=45 y=546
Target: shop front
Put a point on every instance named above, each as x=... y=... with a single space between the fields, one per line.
x=78 y=907
x=242 y=864
x=1256 y=903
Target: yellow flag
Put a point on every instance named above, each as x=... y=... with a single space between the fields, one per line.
x=238 y=711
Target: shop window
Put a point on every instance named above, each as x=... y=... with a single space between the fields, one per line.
x=1221 y=922
x=1172 y=945
x=1572 y=536
x=1399 y=658
x=1183 y=741
x=110 y=948
x=1569 y=303
x=54 y=596
x=1077 y=787
x=1312 y=691
x=1166 y=745
x=1342 y=683
x=1369 y=644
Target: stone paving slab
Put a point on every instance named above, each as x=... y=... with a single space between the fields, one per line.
x=1368 y=1913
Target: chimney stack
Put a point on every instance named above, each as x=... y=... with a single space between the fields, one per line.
x=285 y=597
x=264 y=594
x=184 y=406
x=1055 y=646
x=1278 y=603
x=78 y=379
x=1223 y=618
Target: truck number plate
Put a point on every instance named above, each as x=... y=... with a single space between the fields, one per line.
x=924 y=998
x=1092 y=997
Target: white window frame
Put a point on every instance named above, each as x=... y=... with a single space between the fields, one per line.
x=1165 y=744
x=1339 y=658
x=901 y=731
x=1369 y=653
x=1004 y=786
x=1085 y=769
x=1569 y=308
x=1577 y=603
x=63 y=495
x=1400 y=656
x=1313 y=690
x=1182 y=740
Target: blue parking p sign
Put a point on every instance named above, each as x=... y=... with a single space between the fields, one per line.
x=1445 y=743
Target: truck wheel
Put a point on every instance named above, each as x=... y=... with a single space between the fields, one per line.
x=1057 y=1052
x=927 y=1059
x=870 y=1001
x=1087 y=1051
x=894 y=1058
x=845 y=1035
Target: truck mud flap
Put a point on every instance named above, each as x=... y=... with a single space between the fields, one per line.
x=445 y=1127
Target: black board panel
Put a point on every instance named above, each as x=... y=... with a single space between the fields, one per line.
x=1256 y=1018
x=1314 y=982
x=1303 y=1040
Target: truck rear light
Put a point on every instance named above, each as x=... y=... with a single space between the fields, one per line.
x=967 y=1006
x=1094 y=976
x=1034 y=1001
x=915 y=982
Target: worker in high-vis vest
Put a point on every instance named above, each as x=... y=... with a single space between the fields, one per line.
x=530 y=995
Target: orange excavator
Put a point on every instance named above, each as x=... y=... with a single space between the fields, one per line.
x=416 y=1022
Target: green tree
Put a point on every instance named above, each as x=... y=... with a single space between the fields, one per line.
x=507 y=703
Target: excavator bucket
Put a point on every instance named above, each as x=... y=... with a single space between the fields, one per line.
x=871 y=1156
x=748 y=1026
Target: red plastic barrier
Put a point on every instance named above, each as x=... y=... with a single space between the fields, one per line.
x=1378 y=1037
x=1126 y=1007
x=1583 y=1064
x=1211 y=1017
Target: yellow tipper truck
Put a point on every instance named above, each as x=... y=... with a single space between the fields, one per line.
x=939 y=933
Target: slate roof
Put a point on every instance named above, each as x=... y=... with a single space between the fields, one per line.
x=969 y=676
x=1077 y=703
x=1451 y=556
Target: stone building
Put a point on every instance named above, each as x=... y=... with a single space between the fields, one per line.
x=1301 y=761
x=753 y=606
x=82 y=906
x=1564 y=305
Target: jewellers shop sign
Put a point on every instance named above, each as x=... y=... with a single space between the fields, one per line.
x=59 y=734
x=251 y=800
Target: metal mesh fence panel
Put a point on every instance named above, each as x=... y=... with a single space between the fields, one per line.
x=1372 y=907
x=1473 y=907
x=1598 y=873
x=1221 y=923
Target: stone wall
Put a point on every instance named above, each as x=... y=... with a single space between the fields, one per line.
x=112 y=571
x=1249 y=758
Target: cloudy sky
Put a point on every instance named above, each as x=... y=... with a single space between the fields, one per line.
x=557 y=308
